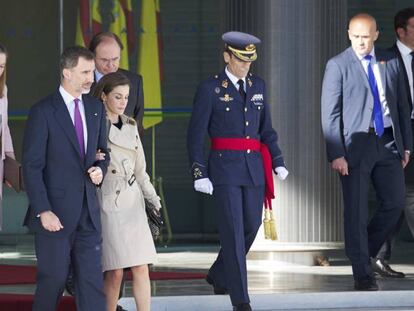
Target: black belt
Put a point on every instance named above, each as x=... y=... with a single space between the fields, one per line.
x=371 y=130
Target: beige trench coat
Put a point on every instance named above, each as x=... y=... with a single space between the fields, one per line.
x=127 y=239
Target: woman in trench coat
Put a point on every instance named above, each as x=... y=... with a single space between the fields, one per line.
x=127 y=240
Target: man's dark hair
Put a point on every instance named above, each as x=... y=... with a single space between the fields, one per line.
x=401 y=19
x=102 y=36
x=70 y=57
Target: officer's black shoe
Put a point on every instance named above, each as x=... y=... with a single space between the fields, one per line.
x=119 y=308
x=367 y=284
x=217 y=289
x=242 y=307
x=380 y=267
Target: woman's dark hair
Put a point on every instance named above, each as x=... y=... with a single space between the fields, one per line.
x=3 y=50
x=108 y=82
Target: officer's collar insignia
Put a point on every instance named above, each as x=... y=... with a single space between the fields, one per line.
x=226 y=98
x=225 y=84
x=257 y=97
x=250 y=82
x=217 y=90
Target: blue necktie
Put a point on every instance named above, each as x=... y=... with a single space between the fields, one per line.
x=377 y=112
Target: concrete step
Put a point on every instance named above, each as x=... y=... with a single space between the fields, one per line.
x=381 y=300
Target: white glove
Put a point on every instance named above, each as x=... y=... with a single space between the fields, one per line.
x=281 y=172
x=203 y=185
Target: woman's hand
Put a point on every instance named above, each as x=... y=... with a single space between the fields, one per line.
x=100 y=156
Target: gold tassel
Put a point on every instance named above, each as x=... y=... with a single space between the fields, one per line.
x=266 y=223
x=272 y=227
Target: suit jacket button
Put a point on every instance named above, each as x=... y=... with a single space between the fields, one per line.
x=247 y=123
x=118 y=192
x=113 y=171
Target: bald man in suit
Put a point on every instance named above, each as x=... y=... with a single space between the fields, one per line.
x=367 y=128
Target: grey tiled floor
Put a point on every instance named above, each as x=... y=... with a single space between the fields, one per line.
x=265 y=277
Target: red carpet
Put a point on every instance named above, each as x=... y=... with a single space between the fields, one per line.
x=14 y=302
x=15 y=274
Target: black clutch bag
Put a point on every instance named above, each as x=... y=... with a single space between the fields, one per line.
x=155 y=221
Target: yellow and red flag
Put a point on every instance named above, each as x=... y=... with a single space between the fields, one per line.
x=88 y=24
x=119 y=26
x=149 y=56
x=127 y=8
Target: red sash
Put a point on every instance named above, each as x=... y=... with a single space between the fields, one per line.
x=244 y=144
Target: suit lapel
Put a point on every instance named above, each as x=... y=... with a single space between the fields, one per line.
x=402 y=65
x=91 y=116
x=65 y=122
x=354 y=58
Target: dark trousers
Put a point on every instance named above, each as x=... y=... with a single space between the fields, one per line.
x=380 y=164
x=83 y=250
x=239 y=213
x=386 y=249
x=408 y=214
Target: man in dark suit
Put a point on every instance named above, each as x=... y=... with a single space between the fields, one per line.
x=366 y=124
x=404 y=48
x=63 y=132
x=232 y=109
x=107 y=49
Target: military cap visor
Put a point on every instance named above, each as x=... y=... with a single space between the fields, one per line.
x=242 y=45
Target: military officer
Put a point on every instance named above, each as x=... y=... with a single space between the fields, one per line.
x=232 y=109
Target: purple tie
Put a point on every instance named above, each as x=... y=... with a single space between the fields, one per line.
x=79 y=128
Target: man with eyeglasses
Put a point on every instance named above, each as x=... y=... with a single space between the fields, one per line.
x=107 y=49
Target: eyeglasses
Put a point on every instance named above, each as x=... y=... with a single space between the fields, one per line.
x=108 y=61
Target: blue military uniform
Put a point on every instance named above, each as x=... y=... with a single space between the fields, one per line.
x=220 y=111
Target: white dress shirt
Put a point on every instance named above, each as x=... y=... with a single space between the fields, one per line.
x=70 y=104
x=98 y=76
x=380 y=84
x=407 y=58
x=234 y=79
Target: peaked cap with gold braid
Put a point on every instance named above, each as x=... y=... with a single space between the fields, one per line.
x=242 y=45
